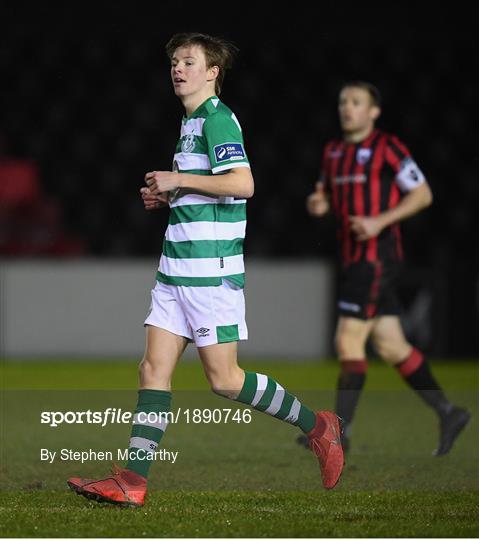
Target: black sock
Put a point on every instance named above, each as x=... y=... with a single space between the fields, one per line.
x=350 y=384
x=416 y=372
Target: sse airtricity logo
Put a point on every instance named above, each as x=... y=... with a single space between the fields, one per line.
x=229 y=152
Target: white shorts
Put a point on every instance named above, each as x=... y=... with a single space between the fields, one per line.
x=205 y=315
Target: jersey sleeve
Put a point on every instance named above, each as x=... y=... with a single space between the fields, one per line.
x=224 y=143
x=408 y=175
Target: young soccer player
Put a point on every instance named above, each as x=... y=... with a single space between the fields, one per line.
x=199 y=291
x=371 y=183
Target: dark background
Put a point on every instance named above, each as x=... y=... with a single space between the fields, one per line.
x=86 y=95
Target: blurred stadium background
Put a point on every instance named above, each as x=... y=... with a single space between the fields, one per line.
x=87 y=109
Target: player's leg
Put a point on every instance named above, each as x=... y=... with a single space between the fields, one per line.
x=351 y=337
x=218 y=315
x=358 y=290
x=350 y=341
x=167 y=334
x=217 y=318
x=255 y=389
x=166 y=338
x=163 y=349
x=357 y=304
x=389 y=341
x=392 y=346
x=265 y=394
x=127 y=486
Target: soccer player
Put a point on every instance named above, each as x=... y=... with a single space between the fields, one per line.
x=199 y=290
x=371 y=183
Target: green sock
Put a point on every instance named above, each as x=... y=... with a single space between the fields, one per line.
x=265 y=394
x=147 y=428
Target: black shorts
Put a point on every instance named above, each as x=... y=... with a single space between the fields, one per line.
x=368 y=290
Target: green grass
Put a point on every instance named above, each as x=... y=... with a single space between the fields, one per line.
x=237 y=514
x=239 y=479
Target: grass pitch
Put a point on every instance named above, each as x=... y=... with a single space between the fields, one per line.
x=239 y=479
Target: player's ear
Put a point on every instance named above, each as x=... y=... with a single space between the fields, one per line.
x=213 y=73
x=375 y=112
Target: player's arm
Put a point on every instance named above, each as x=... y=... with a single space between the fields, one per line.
x=317 y=203
x=410 y=180
x=413 y=202
x=229 y=164
x=236 y=182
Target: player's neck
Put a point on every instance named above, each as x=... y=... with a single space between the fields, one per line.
x=355 y=137
x=192 y=102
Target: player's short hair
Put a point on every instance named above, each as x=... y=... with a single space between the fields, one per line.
x=373 y=92
x=218 y=52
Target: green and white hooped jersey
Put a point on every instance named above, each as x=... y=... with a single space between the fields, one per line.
x=204 y=240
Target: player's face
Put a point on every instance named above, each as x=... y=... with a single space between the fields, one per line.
x=189 y=73
x=356 y=112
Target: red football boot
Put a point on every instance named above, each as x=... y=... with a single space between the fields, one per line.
x=125 y=488
x=325 y=442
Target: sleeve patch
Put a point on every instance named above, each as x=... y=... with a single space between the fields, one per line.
x=229 y=152
x=410 y=175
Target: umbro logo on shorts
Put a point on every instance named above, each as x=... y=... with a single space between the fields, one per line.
x=203 y=332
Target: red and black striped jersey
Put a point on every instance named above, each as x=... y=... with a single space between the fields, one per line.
x=365 y=179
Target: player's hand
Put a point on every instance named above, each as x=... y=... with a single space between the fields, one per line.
x=162 y=181
x=317 y=203
x=152 y=202
x=365 y=227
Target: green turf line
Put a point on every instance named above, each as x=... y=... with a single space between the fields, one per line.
x=100 y=374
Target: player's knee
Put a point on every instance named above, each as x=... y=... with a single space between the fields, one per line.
x=226 y=382
x=223 y=386
x=384 y=350
x=146 y=366
x=391 y=351
x=347 y=344
x=341 y=345
x=143 y=368
x=152 y=372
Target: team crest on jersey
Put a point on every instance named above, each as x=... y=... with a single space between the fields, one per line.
x=363 y=155
x=188 y=143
